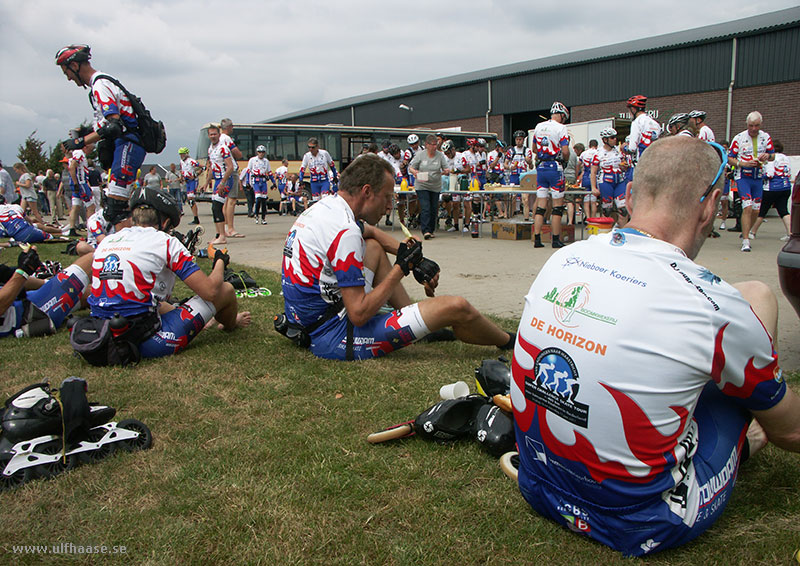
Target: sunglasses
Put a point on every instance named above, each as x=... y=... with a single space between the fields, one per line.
x=723 y=156
x=312 y=147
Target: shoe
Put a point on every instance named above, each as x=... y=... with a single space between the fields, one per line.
x=785 y=238
x=745 y=246
x=258 y=221
x=465 y=229
x=752 y=236
x=713 y=234
x=388 y=223
x=427 y=236
x=537 y=243
x=73 y=233
x=263 y=221
x=454 y=228
x=722 y=226
x=557 y=244
x=194 y=222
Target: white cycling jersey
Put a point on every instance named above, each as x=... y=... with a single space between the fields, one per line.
x=518 y=158
x=608 y=161
x=706 y=134
x=228 y=142
x=82 y=165
x=549 y=137
x=746 y=148
x=317 y=167
x=644 y=131
x=259 y=168
x=188 y=167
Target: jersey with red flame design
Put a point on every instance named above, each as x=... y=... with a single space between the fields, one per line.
x=134 y=269
x=107 y=99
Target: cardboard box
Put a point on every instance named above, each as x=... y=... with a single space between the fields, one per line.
x=567 y=234
x=512 y=230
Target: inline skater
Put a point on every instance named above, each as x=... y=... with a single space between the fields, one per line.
x=607 y=176
x=318 y=162
x=260 y=170
x=189 y=168
x=585 y=160
x=644 y=130
x=697 y=118
x=552 y=149
x=220 y=170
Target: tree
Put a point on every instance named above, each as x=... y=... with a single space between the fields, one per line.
x=54 y=161
x=31 y=154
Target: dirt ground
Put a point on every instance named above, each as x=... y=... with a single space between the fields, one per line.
x=495 y=275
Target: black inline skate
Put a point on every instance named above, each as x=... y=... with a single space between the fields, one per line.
x=43 y=436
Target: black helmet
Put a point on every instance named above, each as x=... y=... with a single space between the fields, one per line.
x=520 y=134
x=70 y=53
x=160 y=201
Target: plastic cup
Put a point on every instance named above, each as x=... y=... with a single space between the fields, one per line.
x=454 y=390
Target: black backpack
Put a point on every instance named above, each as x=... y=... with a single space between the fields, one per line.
x=151 y=132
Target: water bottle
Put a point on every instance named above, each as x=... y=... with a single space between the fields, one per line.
x=475 y=227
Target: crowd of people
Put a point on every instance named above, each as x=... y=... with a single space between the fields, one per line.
x=631 y=423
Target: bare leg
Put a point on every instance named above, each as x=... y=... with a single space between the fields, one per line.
x=376 y=260
x=468 y=324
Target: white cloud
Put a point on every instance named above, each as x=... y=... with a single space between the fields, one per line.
x=193 y=62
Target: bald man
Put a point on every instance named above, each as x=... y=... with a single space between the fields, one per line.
x=641 y=380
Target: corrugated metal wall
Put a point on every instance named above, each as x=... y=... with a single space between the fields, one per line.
x=764 y=58
x=769 y=58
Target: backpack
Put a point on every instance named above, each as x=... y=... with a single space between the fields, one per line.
x=151 y=132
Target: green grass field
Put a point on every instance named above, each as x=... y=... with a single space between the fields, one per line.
x=260 y=457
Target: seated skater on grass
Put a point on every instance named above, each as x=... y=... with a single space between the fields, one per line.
x=337 y=276
x=133 y=274
x=641 y=380
x=14 y=224
x=39 y=306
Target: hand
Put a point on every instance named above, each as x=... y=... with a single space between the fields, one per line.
x=409 y=254
x=221 y=255
x=29 y=261
x=74 y=143
x=425 y=271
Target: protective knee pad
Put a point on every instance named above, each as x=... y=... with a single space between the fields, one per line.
x=557 y=210
x=216 y=211
x=541 y=211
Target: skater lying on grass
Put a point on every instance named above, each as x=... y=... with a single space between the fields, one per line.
x=133 y=274
x=337 y=275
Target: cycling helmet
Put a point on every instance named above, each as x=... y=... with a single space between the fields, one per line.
x=160 y=201
x=498 y=144
x=394 y=148
x=558 y=108
x=471 y=142
x=681 y=118
x=183 y=150
x=70 y=53
x=447 y=145
x=520 y=134
x=697 y=114
x=412 y=138
x=261 y=148
x=608 y=133
x=637 y=101
x=481 y=142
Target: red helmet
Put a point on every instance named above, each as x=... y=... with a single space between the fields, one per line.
x=638 y=101
x=70 y=53
x=471 y=142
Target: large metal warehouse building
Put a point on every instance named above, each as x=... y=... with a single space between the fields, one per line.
x=727 y=69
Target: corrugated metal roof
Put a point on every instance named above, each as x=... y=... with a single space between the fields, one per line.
x=715 y=32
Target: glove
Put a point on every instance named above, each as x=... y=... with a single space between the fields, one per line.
x=74 y=143
x=29 y=261
x=408 y=256
x=425 y=271
x=82 y=131
x=221 y=255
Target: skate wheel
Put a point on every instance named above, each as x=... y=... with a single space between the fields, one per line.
x=91 y=456
x=507 y=465
x=142 y=442
x=52 y=469
x=390 y=434
x=14 y=480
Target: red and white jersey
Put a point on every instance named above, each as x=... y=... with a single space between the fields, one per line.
x=188 y=167
x=469 y=161
x=742 y=148
x=82 y=165
x=480 y=162
x=644 y=131
x=604 y=388
x=396 y=163
x=409 y=154
x=518 y=158
x=706 y=134
x=97 y=225
x=587 y=158
x=281 y=174
x=134 y=269
x=107 y=99
x=10 y=212
x=496 y=159
x=317 y=167
x=217 y=154
x=549 y=137
x=259 y=168
x=456 y=163
x=685 y=133
x=608 y=161
x=778 y=173
x=231 y=145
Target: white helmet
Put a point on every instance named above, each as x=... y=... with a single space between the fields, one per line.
x=261 y=148
x=412 y=138
x=481 y=142
x=447 y=145
x=558 y=108
x=608 y=133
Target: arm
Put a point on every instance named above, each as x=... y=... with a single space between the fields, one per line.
x=228 y=169
x=387 y=242
x=363 y=306
x=209 y=286
x=593 y=180
x=782 y=422
x=9 y=291
x=73 y=171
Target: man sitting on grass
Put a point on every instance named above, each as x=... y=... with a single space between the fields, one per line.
x=337 y=276
x=133 y=273
x=38 y=306
x=641 y=380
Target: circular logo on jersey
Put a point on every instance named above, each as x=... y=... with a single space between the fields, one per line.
x=111 y=268
x=555 y=370
x=617 y=238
